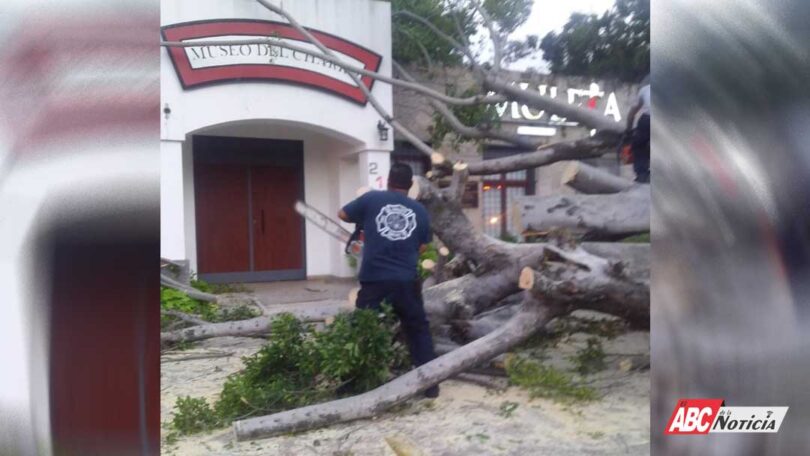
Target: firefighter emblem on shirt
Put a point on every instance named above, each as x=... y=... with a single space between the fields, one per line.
x=395 y=222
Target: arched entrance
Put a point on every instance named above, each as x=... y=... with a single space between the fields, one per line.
x=246 y=177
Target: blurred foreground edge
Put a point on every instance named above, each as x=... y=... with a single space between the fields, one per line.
x=79 y=190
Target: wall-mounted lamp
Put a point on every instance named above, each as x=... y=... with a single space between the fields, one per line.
x=166 y=111
x=382 y=130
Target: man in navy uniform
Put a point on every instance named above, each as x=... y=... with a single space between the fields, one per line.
x=396 y=230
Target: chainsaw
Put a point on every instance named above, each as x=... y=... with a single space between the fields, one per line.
x=353 y=241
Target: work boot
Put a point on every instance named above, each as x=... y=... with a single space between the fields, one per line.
x=432 y=392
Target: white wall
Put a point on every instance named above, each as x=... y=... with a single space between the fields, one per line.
x=172 y=207
x=365 y=22
x=334 y=130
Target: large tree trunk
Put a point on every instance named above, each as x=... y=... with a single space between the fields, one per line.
x=462 y=298
x=596 y=284
x=596 y=216
x=532 y=316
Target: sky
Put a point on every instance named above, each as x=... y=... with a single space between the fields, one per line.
x=548 y=15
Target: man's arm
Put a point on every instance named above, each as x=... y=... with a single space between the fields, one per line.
x=354 y=211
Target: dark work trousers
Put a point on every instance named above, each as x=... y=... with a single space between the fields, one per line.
x=641 y=149
x=406 y=299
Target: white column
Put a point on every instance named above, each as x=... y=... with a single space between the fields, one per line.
x=373 y=168
x=172 y=207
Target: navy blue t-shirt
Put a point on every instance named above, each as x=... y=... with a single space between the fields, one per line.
x=394 y=227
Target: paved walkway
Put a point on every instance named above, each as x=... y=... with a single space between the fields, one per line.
x=302 y=291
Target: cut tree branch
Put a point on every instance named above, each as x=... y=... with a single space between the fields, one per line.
x=184 y=317
x=463 y=130
x=588 y=179
x=494 y=36
x=533 y=315
x=395 y=124
x=259 y=326
x=579 y=149
x=194 y=293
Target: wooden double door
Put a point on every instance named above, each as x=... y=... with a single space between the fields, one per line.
x=245 y=192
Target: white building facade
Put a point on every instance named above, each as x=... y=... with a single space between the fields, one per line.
x=247 y=130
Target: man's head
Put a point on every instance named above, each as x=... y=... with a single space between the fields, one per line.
x=400 y=177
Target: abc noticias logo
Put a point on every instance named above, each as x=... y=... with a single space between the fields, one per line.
x=703 y=416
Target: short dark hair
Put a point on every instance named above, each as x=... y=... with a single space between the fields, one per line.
x=400 y=176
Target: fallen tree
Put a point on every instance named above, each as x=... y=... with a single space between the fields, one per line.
x=558 y=276
x=549 y=292
x=259 y=326
x=532 y=316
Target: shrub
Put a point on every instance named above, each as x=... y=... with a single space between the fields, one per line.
x=192 y=415
x=171 y=299
x=300 y=367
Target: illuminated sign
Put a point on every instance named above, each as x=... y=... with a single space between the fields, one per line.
x=591 y=98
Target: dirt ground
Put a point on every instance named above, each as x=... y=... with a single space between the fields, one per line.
x=466 y=419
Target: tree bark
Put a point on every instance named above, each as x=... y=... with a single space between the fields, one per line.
x=462 y=298
x=259 y=326
x=591 y=180
x=600 y=285
x=468 y=330
x=597 y=216
x=579 y=149
x=532 y=316
x=182 y=316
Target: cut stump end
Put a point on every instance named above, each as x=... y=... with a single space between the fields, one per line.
x=526 y=279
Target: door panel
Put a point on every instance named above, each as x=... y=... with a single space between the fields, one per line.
x=104 y=346
x=277 y=228
x=223 y=243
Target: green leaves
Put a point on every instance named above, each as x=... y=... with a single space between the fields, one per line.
x=171 y=299
x=193 y=415
x=508 y=14
x=615 y=45
x=300 y=366
x=456 y=19
x=481 y=116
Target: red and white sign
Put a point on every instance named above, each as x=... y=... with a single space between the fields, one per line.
x=201 y=65
x=703 y=416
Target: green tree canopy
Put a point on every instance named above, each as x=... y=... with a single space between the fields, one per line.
x=455 y=18
x=614 y=45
